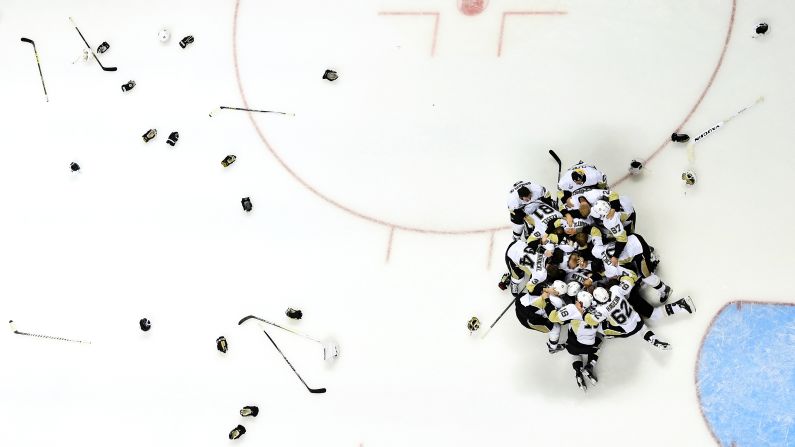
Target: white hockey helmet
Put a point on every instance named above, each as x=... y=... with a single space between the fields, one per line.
x=601 y=295
x=585 y=299
x=601 y=208
x=560 y=287
x=573 y=288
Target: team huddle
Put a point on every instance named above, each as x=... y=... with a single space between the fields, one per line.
x=577 y=262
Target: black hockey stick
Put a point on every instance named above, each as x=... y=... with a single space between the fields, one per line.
x=14 y=328
x=30 y=41
x=90 y=49
x=560 y=168
x=311 y=390
x=249 y=110
x=486 y=332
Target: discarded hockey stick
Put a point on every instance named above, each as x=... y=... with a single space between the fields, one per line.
x=248 y=110
x=560 y=169
x=36 y=53
x=311 y=390
x=104 y=68
x=14 y=329
x=330 y=350
x=691 y=146
x=486 y=332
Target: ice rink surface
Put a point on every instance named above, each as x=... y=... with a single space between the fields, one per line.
x=379 y=210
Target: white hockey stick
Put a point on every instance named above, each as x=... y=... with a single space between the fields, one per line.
x=331 y=350
x=691 y=155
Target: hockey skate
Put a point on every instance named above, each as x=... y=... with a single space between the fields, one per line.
x=665 y=294
x=580 y=380
x=555 y=348
x=687 y=304
x=587 y=371
x=659 y=344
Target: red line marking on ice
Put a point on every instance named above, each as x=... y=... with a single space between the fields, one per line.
x=491 y=250
x=419 y=13
x=389 y=243
x=521 y=13
x=415 y=229
x=738 y=304
x=703 y=93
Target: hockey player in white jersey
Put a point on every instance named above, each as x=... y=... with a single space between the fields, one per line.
x=582 y=342
x=528 y=267
x=580 y=177
x=523 y=199
x=637 y=256
x=621 y=320
x=612 y=222
x=544 y=220
x=531 y=310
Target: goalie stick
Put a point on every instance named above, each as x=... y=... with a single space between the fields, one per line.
x=311 y=390
x=330 y=350
x=14 y=329
x=104 y=68
x=249 y=110
x=691 y=155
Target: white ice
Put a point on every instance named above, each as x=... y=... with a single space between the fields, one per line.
x=405 y=137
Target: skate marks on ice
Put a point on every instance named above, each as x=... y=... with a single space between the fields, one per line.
x=745 y=374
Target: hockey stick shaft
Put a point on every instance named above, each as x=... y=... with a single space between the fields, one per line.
x=560 y=169
x=280 y=327
x=311 y=390
x=14 y=329
x=38 y=62
x=691 y=155
x=721 y=123
x=251 y=110
x=91 y=49
x=498 y=319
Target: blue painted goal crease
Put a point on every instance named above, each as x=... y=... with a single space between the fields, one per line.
x=745 y=375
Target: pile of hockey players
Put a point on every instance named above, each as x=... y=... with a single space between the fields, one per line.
x=578 y=262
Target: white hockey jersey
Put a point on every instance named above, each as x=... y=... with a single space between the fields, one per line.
x=618 y=312
x=585 y=332
x=593 y=177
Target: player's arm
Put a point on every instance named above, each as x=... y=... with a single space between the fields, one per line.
x=613 y=198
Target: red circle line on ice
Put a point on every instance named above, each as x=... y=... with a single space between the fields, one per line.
x=393 y=226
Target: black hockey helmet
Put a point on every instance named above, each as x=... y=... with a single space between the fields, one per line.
x=578 y=175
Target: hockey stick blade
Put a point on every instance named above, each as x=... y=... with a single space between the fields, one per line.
x=25 y=39
x=104 y=68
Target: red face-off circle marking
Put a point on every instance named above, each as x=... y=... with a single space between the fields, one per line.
x=462 y=231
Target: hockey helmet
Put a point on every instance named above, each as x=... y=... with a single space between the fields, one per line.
x=573 y=288
x=585 y=299
x=601 y=208
x=560 y=287
x=601 y=295
x=578 y=175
